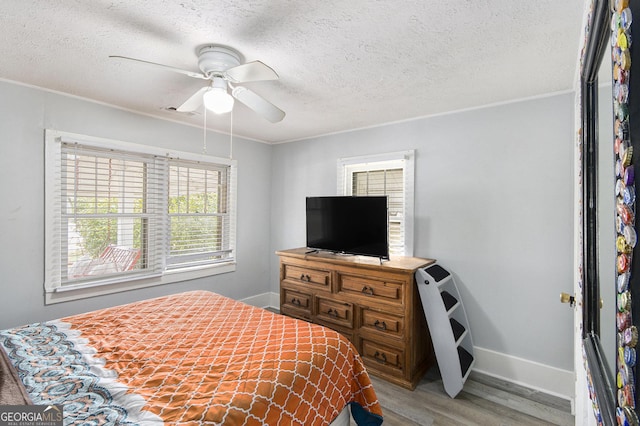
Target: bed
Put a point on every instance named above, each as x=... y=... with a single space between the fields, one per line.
x=189 y=359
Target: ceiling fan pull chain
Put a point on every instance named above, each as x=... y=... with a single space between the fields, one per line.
x=231 y=138
x=204 y=132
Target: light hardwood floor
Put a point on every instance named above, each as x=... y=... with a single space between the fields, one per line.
x=483 y=401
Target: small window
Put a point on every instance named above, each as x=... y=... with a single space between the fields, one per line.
x=123 y=213
x=390 y=175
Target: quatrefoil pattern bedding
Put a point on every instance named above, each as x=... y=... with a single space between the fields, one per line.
x=192 y=358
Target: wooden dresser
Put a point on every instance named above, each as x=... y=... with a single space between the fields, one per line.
x=376 y=306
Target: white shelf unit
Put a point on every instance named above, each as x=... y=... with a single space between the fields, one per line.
x=448 y=325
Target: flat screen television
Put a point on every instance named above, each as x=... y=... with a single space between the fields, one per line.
x=350 y=225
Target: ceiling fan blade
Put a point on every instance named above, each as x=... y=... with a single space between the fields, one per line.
x=166 y=67
x=259 y=104
x=251 y=71
x=194 y=102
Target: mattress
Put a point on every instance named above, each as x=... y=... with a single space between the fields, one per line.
x=190 y=359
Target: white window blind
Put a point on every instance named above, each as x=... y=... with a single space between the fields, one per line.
x=111 y=222
x=117 y=212
x=385 y=174
x=389 y=182
x=198 y=213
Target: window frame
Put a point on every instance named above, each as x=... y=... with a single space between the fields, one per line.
x=172 y=260
x=393 y=160
x=55 y=292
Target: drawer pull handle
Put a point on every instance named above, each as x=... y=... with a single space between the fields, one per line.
x=380 y=357
x=296 y=302
x=380 y=325
x=332 y=312
x=367 y=290
x=304 y=277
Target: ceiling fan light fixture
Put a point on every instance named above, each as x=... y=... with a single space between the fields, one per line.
x=218 y=100
x=221 y=66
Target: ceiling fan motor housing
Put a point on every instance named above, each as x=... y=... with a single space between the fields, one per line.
x=216 y=60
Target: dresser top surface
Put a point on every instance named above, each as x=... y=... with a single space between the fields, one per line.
x=400 y=263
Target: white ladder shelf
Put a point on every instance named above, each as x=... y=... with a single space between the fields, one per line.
x=448 y=326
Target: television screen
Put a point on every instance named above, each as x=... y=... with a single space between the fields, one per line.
x=353 y=225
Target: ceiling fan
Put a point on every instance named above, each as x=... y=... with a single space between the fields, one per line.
x=221 y=67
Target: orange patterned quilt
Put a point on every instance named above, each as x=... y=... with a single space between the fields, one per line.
x=192 y=358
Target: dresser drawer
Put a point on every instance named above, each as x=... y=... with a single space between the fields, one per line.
x=313 y=277
x=296 y=300
x=383 y=357
x=383 y=323
x=334 y=312
x=387 y=291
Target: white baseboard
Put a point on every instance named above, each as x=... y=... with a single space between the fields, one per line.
x=531 y=374
x=264 y=300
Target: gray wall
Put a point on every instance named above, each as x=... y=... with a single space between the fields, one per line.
x=493 y=203
x=24 y=114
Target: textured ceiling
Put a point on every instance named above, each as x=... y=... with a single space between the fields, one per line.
x=342 y=64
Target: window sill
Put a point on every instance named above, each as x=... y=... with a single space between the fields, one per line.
x=68 y=294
